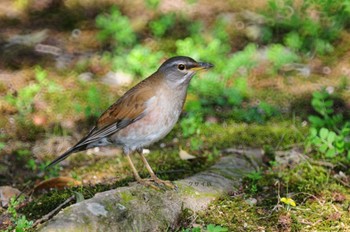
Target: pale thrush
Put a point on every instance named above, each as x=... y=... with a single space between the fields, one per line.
x=144 y=114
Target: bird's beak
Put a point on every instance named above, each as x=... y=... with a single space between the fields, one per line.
x=201 y=66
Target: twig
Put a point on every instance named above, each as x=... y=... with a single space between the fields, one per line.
x=49 y=215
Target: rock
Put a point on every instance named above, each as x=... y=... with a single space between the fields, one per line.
x=117 y=79
x=86 y=76
x=137 y=208
x=288 y=158
x=251 y=201
x=6 y=192
x=29 y=40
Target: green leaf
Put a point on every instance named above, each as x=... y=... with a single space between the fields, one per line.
x=214 y=228
x=316 y=121
x=324 y=133
x=293 y=40
x=328 y=103
x=313 y=132
x=331 y=153
x=2 y=145
x=331 y=137
x=323 y=148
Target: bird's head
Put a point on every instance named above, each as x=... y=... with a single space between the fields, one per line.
x=179 y=70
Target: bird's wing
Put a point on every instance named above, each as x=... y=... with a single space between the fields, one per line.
x=128 y=109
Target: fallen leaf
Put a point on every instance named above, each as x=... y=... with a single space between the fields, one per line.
x=58 y=183
x=184 y=155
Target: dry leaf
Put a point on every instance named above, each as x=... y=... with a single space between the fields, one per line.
x=184 y=155
x=58 y=183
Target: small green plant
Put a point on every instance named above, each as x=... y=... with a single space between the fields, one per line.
x=21 y=223
x=330 y=143
x=140 y=61
x=323 y=105
x=24 y=99
x=92 y=106
x=215 y=228
x=116 y=28
x=163 y=24
x=49 y=173
x=191 y=125
x=253 y=178
x=75 y=175
x=279 y=55
x=258 y=114
x=2 y=145
x=152 y=4
x=208 y=228
x=310 y=27
x=329 y=133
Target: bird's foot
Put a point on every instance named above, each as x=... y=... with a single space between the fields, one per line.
x=165 y=183
x=157 y=184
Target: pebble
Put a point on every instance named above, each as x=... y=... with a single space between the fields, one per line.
x=86 y=76
x=117 y=79
x=6 y=192
x=251 y=201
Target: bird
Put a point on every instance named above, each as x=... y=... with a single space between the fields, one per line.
x=143 y=115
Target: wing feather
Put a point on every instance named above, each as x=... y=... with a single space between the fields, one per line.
x=128 y=109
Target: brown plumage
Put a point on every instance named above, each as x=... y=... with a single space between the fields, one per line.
x=144 y=114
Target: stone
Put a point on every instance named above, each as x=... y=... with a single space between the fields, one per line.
x=117 y=79
x=138 y=208
x=6 y=192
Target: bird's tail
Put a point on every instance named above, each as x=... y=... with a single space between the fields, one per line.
x=80 y=146
x=65 y=155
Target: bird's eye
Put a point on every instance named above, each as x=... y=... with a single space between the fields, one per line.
x=181 y=66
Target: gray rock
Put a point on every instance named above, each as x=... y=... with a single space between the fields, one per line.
x=137 y=208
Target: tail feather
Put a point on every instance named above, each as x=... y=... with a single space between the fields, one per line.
x=65 y=155
x=80 y=146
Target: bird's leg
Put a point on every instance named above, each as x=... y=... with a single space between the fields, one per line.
x=137 y=176
x=153 y=176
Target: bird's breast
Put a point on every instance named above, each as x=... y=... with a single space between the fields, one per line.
x=162 y=112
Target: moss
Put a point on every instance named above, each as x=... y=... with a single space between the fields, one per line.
x=321 y=203
x=306 y=178
x=168 y=165
x=236 y=215
x=44 y=204
x=126 y=197
x=280 y=135
x=187 y=190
